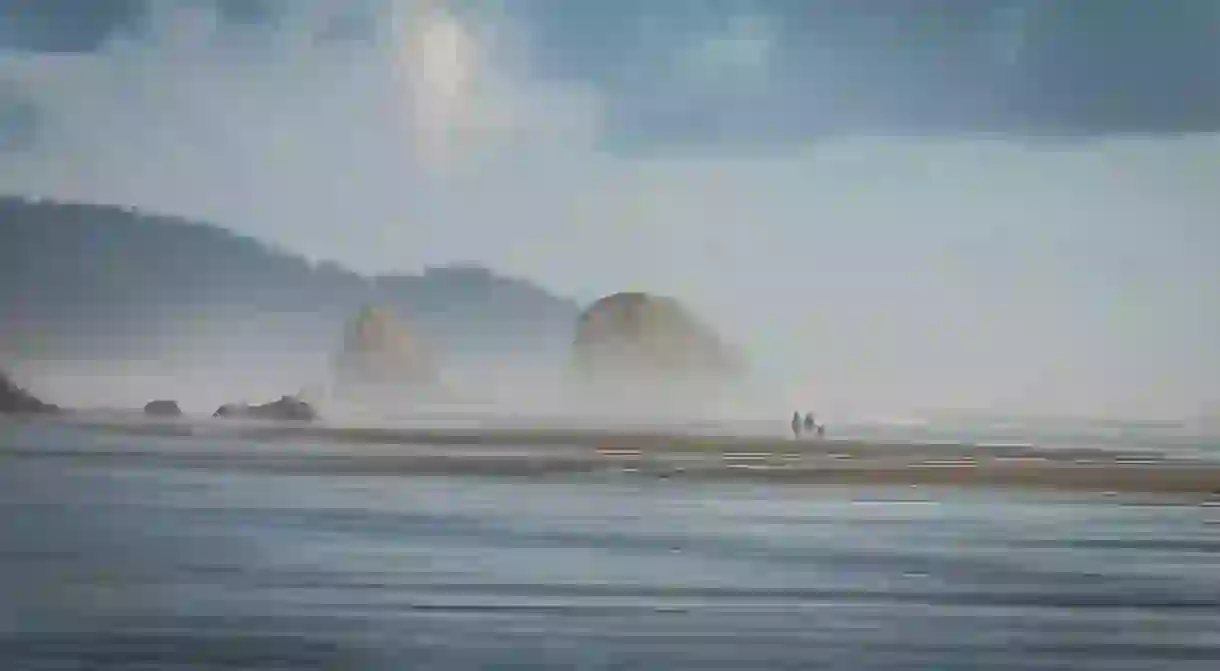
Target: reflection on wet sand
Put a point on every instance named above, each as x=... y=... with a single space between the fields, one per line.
x=555 y=451
x=122 y=562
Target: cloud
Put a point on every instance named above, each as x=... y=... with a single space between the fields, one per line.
x=190 y=118
x=741 y=53
x=62 y=25
x=871 y=273
x=1035 y=68
x=1023 y=68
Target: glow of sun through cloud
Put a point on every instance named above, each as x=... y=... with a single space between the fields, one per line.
x=438 y=55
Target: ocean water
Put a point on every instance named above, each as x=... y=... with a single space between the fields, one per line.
x=109 y=565
x=1179 y=439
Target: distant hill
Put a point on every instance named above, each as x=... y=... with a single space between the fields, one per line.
x=14 y=399
x=88 y=282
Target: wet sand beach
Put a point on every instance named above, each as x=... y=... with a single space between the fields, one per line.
x=536 y=452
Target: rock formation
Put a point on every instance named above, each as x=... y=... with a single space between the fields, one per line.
x=287 y=408
x=231 y=410
x=15 y=400
x=380 y=355
x=650 y=342
x=162 y=408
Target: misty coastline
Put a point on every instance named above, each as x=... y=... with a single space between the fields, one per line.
x=480 y=376
x=139 y=307
x=564 y=451
x=384 y=334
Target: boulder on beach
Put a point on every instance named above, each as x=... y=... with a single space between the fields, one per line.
x=634 y=335
x=162 y=408
x=287 y=408
x=15 y=400
x=380 y=354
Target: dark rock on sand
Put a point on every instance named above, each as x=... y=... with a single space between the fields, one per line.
x=163 y=408
x=14 y=399
x=287 y=408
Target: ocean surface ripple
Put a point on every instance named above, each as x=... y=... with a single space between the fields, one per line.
x=122 y=566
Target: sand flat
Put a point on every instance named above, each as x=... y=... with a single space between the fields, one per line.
x=545 y=451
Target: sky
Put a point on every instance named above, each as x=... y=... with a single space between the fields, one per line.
x=891 y=206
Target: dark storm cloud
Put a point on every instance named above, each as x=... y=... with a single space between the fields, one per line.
x=1123 y=65
x=1029 y=67
x=1024 y=67
x=62 y=25
x=84 y=25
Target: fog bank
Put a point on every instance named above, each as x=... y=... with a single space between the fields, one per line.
x=861 y=275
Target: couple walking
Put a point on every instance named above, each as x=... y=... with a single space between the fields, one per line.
x=808 y=425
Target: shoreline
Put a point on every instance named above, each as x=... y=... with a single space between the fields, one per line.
x=670 y=440
x=543 y=452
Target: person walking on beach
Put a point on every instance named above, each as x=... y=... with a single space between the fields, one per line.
x=810 y=425
x=796 y=425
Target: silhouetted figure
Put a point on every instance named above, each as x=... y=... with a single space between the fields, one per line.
x=821 y=430
x=796 y=425
x=809 y=423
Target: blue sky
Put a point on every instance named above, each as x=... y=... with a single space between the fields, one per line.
x=892 y=205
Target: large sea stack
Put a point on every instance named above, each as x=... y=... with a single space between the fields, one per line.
x=640 y=347
x=380 y=358
x=162 y=408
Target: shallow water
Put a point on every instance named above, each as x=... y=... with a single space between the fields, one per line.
x=124 y=566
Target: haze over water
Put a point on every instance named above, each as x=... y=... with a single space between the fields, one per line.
x=1004 y=208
